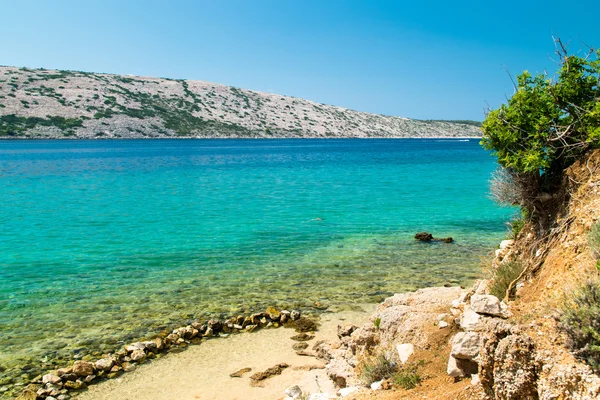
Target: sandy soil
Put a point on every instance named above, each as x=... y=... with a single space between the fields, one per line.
x=202 y=372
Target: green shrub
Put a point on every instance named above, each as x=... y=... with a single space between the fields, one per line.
x=407 y=378
x=503 y=275
x=516 y=226
x=580 y=320
x=377 y=322
x=376 y=368
x=594 y=239
x=546 y=126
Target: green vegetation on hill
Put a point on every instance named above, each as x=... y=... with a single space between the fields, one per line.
x=546 y=126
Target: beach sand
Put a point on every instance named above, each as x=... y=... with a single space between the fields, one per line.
x=202 y=372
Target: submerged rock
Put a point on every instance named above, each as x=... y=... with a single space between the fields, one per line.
x=269 y=372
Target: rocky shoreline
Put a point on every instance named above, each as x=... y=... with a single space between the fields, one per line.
x=61 y=383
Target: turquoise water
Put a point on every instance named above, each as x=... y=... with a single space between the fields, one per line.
x=104 y=242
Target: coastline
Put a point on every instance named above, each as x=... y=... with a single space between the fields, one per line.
x=244 y=138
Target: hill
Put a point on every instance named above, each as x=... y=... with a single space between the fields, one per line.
x=38 y=103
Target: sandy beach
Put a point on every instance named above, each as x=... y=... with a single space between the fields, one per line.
x=202 y=372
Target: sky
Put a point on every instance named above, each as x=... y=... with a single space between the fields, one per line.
x=418 y=59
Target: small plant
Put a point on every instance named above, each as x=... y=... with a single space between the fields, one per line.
x=407 y=378
x=377 y=322
x=376 y=368
x=580 y=320
x=503 y=276
x=594 y=240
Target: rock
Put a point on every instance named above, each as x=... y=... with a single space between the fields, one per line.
x=104 y=364
x=346 y=330
x=506 y=243
x=405 y=351
x=215 y=325
x=273 y=313
x=128 y=367
x=75 y=385
x=51 y=378
x=69 y=377
x=339 y=371
x=443 y=324
x=511 y=372
x=424 y=236
x=486 y=304
x=293 y=392
x=466 y=345
x=300 y=346
x=302 y=337
x=83 y=368
x=304 y=324
x=305 y=353
x=240 y=372
x=136 y=346
x=62 y=371
x=458 y=368
x=469 y=319
x=89 y=378
x=269 y=372
x=377 y=385
x=251 y=328
x=138 y=355
x=295 y=314
x=348 y=391
x=474 y=379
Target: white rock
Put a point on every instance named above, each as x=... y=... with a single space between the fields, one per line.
x=486 y=304
x=466 y=345
x=51 y=378
x=348 y=390
x=474 y=379
x=453 y=369
x=104 y=364
x=506 y=243
x=442 y=316
x=498 y=253
x=293 y=392
x=376 y=385
x=405 y=350
x=443 y=324
x=455 y=303
x=469 y=319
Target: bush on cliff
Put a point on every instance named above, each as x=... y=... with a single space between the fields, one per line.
x=546 y=125
x=581 y=322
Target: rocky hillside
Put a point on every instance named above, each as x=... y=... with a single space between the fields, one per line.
x=37 y=103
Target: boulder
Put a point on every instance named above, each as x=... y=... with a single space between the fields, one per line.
x=273 y=313
x=458 y=368
x=295 y=314
x=466 y=345
x=486 y=304
x=83 y=368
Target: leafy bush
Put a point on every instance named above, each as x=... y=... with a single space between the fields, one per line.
x=376 y=368
x=580 y=320
x=503 y=275
x=546 y=126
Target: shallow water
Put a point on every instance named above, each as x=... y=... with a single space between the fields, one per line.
x=104 y=242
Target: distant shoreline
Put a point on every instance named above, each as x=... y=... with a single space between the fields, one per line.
x=244 y=138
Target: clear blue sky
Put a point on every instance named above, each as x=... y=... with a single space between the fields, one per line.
x=419 y=59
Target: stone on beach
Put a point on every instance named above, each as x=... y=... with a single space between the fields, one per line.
x=104 y=364
x=83 y=368
x=269 y=372
x=51 y=378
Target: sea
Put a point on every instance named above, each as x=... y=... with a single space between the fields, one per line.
x=106 y=242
